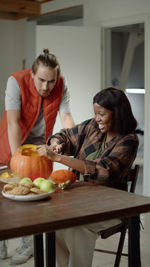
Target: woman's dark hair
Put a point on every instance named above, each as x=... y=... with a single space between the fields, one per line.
x=115 y=100
x=48 y=60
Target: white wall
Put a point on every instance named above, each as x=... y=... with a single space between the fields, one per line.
x=30 y=42
x=78 y=51
x=12 y=52
x=100 y=10
x=137 y=103
x=6 y=56
x=19 y=43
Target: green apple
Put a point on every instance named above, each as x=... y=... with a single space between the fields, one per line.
x=38 y=181
x=47 y=186
x=25 y=180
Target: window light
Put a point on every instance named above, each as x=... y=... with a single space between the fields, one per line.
x=135 y=90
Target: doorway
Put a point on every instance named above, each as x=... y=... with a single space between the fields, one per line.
x=124 y=68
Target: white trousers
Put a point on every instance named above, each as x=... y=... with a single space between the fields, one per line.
x=75 y=246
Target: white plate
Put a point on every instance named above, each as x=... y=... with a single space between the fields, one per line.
x=11 y=179
x=27 y=198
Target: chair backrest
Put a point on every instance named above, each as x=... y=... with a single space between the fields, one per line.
x=132 y=178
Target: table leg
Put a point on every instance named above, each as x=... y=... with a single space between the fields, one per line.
x=134 y=258
x=50 y=249
x=38 y=251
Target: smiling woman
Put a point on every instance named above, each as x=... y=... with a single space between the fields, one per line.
x=104 y=118
x=104 y=149
x=101 y=146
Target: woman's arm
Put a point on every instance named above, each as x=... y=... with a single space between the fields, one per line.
x=72 y=163
x=71 y=139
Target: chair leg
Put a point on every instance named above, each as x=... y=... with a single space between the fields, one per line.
x=120 y=248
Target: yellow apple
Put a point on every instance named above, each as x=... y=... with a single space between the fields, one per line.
x=47 y=186
x=25 y=180
x=38 y=181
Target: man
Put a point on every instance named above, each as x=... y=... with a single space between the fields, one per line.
x=33 y=98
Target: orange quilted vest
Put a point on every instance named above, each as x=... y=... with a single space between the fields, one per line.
x=30 y=108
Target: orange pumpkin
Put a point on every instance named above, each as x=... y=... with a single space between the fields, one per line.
x=26 y=162
x=61 y=176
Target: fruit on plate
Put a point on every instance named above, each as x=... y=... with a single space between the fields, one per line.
x=38 y=181
x=26 y=162
x=25 y=180
x=5 y=175
x=62 y=175
x=47 y=186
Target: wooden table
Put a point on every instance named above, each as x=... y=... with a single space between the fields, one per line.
x=78 y=205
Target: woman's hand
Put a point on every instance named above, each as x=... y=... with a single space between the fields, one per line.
x=46 y=151
x=56 y=146
x=77 y=164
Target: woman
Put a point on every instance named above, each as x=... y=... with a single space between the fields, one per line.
x=104 y=149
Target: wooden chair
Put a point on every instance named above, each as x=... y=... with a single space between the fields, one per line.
x=123 y=226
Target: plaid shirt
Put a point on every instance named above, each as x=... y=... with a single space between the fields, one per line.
x=112 y=166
